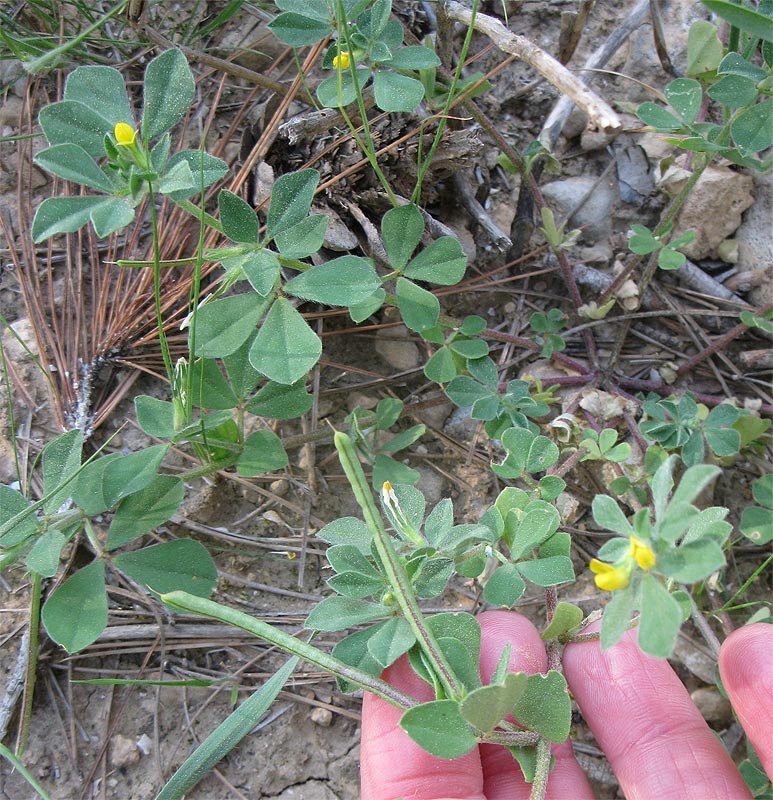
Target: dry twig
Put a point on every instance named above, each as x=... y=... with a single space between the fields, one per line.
x=599 y=112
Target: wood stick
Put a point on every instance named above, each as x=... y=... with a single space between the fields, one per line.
x=600 y=113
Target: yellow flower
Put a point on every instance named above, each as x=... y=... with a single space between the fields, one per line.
x=342 y=60
x=642 y=553
x=617 y=576
x=608 y=576
x=124 y=134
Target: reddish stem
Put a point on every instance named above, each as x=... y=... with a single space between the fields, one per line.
x=717 y=344
x=664 y=389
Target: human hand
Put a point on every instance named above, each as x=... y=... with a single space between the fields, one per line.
x=640 y=713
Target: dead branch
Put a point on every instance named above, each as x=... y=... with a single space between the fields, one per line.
x=693 y=277
x=600 y=113
x=556 y=120
x=314 y=123
x=500 y=239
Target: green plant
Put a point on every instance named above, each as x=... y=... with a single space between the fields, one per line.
x=547 y=326
x=378 y=578
x=643 y=242
x=757 y=521
x=75 y=613
x=688 y=427
x=514 y=405
x=731 y=80
x=368 y=432
x=95 y=121
x=742 y=89
x=603 y=445
x=680 y=545
x=555 y=235
x=462 y=350
x=250 y=351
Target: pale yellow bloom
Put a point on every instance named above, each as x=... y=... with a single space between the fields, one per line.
x=389 y=498
x=342 y=60
x=124 y=134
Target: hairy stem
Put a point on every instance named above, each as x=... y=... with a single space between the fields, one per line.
x=182 y=601
x=32 y=663
x=394 y=567
x=541 y=771
x=165 y=354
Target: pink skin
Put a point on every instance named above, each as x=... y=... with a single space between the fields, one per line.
x=639 y=711
x=746 y=667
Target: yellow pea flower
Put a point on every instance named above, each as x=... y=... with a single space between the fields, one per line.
x=342 y=60
x=617 y=576
x=608 y=576
x=124 y=134
x=642 y=553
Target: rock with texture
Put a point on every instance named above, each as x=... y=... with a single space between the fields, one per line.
x=713 y=210
x=755 y=243
x=394 y=346
x=123 y=751
x=595 y=215
x=711 y=704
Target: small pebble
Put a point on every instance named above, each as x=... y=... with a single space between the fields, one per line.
x=393 y=345
x=279 y=487
x=322 y=717
x=123 y=751
x=711 y=704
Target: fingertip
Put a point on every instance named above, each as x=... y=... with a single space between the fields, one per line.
x=503 y=778
x=643 y=718
x=393 y=765
x=746 y=668
x=501 y=628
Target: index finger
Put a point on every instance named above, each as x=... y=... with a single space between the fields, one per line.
x=656 y=741
x=746 y=667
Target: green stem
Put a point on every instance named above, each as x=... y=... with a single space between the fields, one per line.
x=193 y=299
x=32 y=663
x=23 y=771
x=182 y=601
x=92 y=537
x=394 y=567
x=422 y=171
x=9 y=405
x=200 y=214
x=747 y=583
x=367 y=146
x=165 y=354
x=513 y=738
x=206 y=469
x=541 y=771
